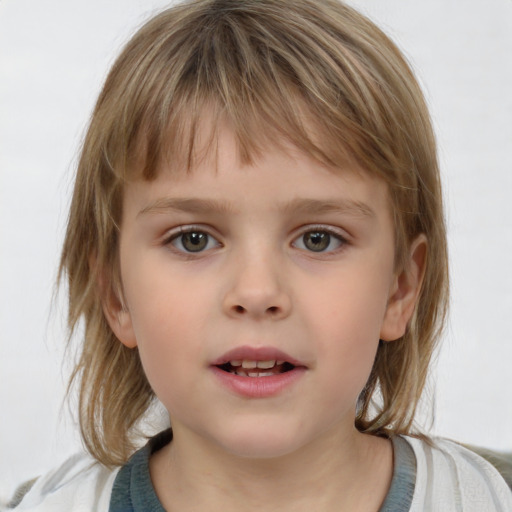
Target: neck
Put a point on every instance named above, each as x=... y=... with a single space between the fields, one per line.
x=350 y=473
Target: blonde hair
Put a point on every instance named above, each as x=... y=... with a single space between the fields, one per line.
x=314 y=73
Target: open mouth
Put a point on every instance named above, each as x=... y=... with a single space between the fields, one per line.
x=248 y=368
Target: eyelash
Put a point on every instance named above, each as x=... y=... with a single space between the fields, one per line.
x=342 y=241
x=177 y=238
x=188 y=230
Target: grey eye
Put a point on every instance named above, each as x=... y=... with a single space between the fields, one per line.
x=193 y=241
x=317 y=241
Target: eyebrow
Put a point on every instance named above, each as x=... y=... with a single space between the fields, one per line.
x=187 y=205
x=295 y=206
x=316 y=206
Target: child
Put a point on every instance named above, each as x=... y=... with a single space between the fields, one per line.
x=256 y=238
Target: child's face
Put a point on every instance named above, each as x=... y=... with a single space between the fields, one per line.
x=283 y=260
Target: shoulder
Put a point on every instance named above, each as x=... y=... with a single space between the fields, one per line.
x=78 y=484
x=501 y=461
x=452 y=477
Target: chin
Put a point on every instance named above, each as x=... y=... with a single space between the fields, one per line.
x=261 y=449
x=261 y=441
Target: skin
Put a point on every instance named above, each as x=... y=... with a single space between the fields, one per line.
x=258 y=283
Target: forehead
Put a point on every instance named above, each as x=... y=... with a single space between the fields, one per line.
x=282 y=177
x=197 y=133
x=210 y=140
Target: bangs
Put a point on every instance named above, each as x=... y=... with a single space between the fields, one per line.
x=269 y=83
x=192 y=134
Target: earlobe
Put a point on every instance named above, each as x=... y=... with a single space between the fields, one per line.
x=119 y=319
x=115 y=311
x=404 y=292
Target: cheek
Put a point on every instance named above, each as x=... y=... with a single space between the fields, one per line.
x=350 y=305
x=167 y=323
x=345 y=320
x=170 y=348
x=160 y=299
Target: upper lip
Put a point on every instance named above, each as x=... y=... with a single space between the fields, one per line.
x=256 y=354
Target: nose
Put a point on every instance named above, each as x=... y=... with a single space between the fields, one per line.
x=258 y=289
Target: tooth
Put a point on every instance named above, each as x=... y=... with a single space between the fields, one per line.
x=236 y=362
x=253 y=374
x=249 y=364
x=279 y=362
x=266 y=374
x=241 y=373
x=265 y=365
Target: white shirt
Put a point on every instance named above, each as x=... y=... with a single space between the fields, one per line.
x=449 y=478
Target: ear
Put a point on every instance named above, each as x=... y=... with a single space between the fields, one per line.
x=119 y=319
x=405 y=291
x=114 y=308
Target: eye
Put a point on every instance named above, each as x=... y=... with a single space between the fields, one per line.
x=319 y=240
x=193 y=240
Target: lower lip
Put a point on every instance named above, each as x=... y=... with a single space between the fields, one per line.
x=259 y=387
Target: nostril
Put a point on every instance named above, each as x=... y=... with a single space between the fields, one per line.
x=273 y=309
x=239 y=309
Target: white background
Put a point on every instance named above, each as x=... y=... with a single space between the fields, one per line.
x=53 y=58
